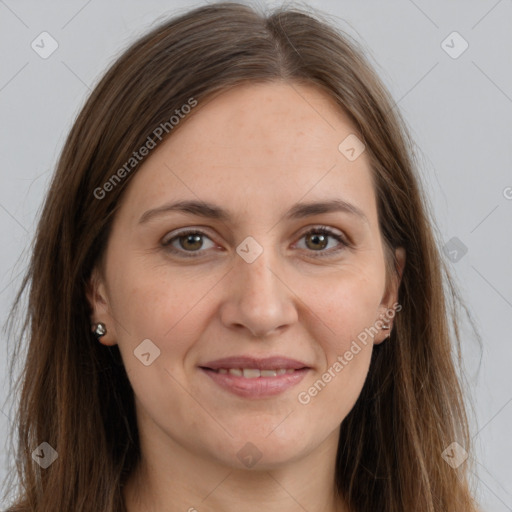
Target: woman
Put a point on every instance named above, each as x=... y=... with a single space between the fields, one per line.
x=236 y=298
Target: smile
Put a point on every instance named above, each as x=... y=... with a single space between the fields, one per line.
x=253 y=383
x=253 y=373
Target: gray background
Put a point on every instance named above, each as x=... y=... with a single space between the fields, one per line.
x=459 y=111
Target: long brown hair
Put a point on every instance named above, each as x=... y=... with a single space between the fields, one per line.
x=75 y=394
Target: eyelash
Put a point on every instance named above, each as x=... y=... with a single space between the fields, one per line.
x=322 y=230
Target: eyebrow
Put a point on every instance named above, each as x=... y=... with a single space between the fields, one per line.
x=212 y=211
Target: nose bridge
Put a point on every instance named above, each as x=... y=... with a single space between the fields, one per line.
x=258 y=299
x=255 y=271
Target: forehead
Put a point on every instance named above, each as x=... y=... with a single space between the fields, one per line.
x=270 y=144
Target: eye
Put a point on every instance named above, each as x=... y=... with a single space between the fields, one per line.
x=317 y=239
x=188 y=241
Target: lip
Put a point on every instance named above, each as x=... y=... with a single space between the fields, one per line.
x=258 y=387
x=267 y=363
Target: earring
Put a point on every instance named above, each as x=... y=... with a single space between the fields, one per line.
x=99 y=330
x=386 y=327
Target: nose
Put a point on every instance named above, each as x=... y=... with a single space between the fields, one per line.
x=258 y=299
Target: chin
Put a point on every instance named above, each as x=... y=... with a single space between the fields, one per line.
x=262 y=451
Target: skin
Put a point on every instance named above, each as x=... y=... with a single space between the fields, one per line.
x=255 y=150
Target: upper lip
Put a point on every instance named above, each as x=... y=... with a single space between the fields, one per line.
x=267 y=363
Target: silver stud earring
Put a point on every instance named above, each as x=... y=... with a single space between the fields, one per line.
x=386 y=327
x=99 y=330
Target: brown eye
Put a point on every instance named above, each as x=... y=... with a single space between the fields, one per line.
x=191 y=242
x=316 y=241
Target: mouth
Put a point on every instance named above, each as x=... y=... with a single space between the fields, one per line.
x=253 y=373
x=249 y=377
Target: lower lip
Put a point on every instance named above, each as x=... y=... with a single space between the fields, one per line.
x=259 y=387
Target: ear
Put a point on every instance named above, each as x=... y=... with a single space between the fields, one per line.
x=388 y=307
x=97 y=297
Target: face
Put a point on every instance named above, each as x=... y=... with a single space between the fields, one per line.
x=233 y=327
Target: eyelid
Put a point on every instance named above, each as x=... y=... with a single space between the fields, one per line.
x=173 y=236
x=328 y=229
x=185 y=231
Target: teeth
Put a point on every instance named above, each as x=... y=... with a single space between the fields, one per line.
x=253 y=373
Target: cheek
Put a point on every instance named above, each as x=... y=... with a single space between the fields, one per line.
x=149 y=305
x=349 y=304
x=150 y=302
x=143 y=306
